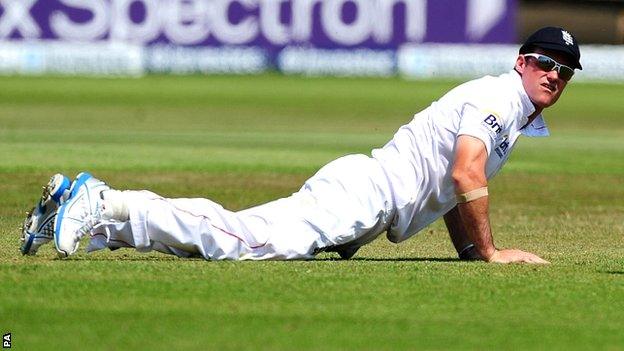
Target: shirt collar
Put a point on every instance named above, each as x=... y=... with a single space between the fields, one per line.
x=538 y=127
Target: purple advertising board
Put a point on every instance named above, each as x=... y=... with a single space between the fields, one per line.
x=270 y=24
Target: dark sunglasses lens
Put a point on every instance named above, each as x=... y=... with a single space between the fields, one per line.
x=545 y=63
x=566 y=73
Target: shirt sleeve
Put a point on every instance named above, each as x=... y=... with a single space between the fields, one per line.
x=485 y=125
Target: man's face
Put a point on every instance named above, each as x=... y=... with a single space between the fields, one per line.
x=543 y=88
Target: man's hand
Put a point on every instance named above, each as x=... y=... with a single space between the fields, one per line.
x=515 y=256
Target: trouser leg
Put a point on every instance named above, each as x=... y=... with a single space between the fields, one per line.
x=346 y=204
x=196 y=226
x=200 y=227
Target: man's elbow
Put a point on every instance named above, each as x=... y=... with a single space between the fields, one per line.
x=466 y=179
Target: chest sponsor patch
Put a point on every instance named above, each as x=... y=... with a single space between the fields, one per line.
x=493 y=125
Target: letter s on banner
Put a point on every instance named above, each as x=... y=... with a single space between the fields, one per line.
x=124 y=29
x=92 y=29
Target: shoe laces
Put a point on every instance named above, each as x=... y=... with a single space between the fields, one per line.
x=89 y=220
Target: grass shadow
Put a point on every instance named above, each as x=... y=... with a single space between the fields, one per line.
x=613 y=272
x=396 y=259
x=171 y=258
x=129 y=258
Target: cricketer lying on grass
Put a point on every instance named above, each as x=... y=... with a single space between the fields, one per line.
x=436 y=165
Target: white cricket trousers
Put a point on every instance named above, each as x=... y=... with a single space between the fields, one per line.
x=347 y=202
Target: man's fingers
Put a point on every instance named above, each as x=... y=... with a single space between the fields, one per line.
x=531 y=258
x=511 y=256
x=536 y=259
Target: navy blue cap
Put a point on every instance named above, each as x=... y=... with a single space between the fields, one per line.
x=557 y=39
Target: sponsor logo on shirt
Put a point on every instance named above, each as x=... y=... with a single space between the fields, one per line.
x=491 y=122
x=503 y=147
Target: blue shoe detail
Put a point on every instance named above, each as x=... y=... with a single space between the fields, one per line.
x=80 y=180
x=54 y=190
x=79 y=214
x=26 y=247
x=38 y=227
x=66 y=184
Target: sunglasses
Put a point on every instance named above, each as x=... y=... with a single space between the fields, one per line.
x=547 y=64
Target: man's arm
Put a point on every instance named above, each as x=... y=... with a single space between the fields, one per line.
x=468 y=175
x=455 y=226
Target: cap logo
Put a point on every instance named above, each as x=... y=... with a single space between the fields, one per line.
x=567 y=37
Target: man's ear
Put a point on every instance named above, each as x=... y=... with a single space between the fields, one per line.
x=520 y=64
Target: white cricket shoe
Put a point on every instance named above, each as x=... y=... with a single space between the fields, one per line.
x=79 y=214
x=38 y=227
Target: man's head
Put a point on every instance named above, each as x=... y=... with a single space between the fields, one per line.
x=546 y=62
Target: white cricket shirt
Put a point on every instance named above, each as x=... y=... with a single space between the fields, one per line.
x=419 y=159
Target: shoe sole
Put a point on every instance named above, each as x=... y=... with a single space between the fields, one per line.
x=80 y=180
x=57 y=186
x=54 y=190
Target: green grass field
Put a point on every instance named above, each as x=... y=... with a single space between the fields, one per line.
x=242 y=141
